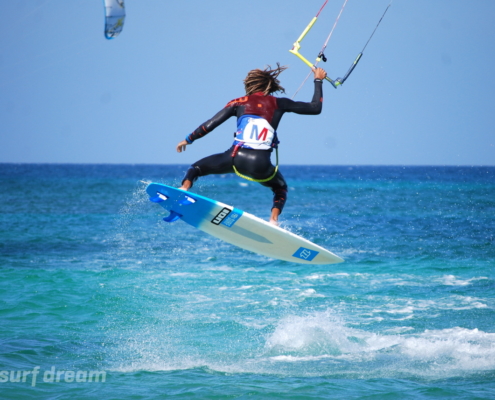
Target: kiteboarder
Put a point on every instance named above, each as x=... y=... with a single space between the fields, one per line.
x=258 y=115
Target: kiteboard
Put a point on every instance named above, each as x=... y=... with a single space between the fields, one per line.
x=237 y=227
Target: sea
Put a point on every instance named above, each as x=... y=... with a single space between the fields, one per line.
x=102 y=299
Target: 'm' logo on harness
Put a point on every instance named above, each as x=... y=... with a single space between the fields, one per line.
x=220 y=216
x=254 y=132
x=258 y=137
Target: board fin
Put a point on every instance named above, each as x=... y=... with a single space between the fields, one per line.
x=173 y=216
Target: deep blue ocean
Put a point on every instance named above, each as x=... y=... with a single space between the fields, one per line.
x=101 y=299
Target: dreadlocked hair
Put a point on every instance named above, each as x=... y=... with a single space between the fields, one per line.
x=264 y=81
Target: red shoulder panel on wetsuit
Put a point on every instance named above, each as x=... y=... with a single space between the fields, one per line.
x=256 y=104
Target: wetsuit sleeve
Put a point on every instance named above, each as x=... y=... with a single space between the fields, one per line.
x=218 y=119
x=300 y=107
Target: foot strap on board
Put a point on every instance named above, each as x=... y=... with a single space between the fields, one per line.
x=158 y=198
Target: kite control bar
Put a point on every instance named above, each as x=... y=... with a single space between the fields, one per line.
x=321 y=56
x=297 y=46
x=340 y=81
x=335 y=83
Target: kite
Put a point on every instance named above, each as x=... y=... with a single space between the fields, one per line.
x=114 y=18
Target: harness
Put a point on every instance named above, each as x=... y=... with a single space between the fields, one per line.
x=254 y=131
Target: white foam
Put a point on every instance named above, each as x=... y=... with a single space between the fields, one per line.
x=310 y=293
x=452 y=280
x=452 y=349
x=439 y=353
x=319 y=332
x=315 y=276
x=319 y=344
x=223 y=268
x=184 y=274
x=464 y=303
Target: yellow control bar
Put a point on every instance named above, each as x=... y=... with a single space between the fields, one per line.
x=297 y=46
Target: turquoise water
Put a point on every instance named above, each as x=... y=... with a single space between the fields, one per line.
x=93 y=283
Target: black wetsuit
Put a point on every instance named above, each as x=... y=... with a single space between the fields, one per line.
x=252 y=162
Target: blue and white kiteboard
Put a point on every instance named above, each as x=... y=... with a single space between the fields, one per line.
x=237 y=227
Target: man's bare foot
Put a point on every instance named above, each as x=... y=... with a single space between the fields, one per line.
x=274 y=216
x=186 y=185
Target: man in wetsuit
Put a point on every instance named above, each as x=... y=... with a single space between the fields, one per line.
x=258 y=115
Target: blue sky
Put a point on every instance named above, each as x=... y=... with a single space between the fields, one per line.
x=423 y=93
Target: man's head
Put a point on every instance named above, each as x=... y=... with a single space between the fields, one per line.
x=264 y=81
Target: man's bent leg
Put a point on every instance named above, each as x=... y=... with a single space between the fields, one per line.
x=274 y=216
x=190 y=177
x=214 y=164
x=279 y=188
